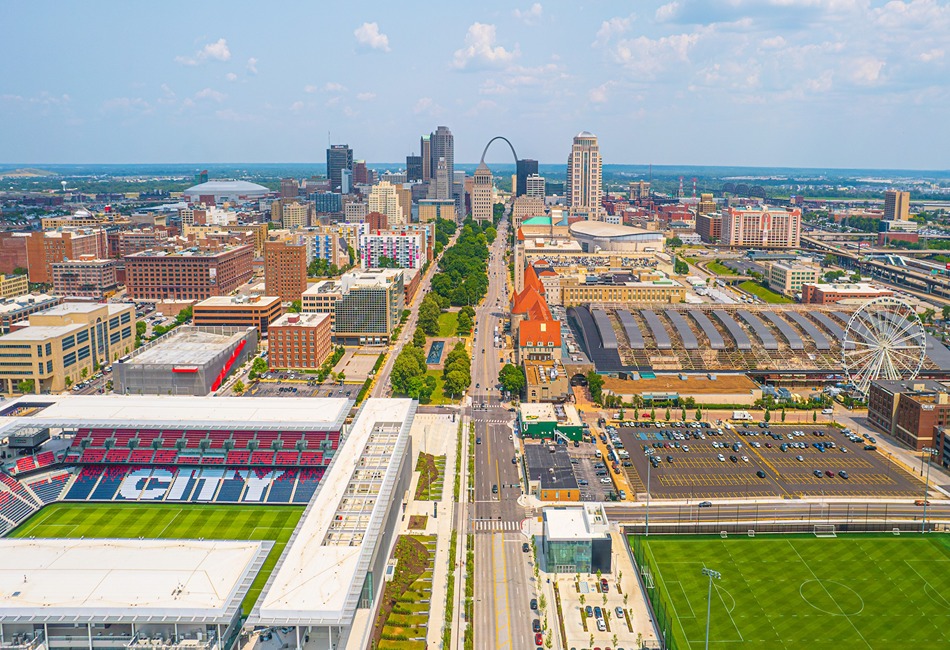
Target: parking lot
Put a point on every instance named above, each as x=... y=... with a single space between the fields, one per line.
x=753 y=461
x=581 y=620
x=591 y=487
x=301 y=388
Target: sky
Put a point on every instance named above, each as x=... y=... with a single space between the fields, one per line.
x=816 y=83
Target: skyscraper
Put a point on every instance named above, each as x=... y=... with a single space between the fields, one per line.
x=384 y=198
x=482 y=194
x=525 y=168
x=339 y=157
x=425 y=152
x=413 y=169
x=360 y=173
x=441 y=188
x=896 y=205
x=289 y=188
x=442 y=144
x=584 y=177
x=535 y=186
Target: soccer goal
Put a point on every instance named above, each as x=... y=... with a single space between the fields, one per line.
x=825 y=530
x=647 y=577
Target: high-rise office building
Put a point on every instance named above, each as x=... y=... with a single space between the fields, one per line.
x=762 y=227
x=442 y=145
x=414 y=169
x=482 y=194
x=442 y=187
x=524 y=168
x=584 y=176
x=285 y=269
x=425 y=152
x=535 y=186
x=339 y=157
x=896 y=205
x=384 y=198
x=360 y=173
x=289 y=188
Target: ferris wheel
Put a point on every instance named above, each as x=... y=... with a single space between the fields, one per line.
x=884 y=340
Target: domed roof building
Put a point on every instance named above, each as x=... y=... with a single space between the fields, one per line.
x=224 y=190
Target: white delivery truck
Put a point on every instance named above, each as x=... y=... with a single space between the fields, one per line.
x=741 y=415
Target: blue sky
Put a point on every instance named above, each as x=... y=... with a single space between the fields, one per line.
x=828 y=83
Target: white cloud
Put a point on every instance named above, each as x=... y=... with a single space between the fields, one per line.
x=296 y=107
x=649 y=56
x=126 y=104
x=368 y=35
x=931 y=55
x=366 y=97
x=210 y=93
x=217 y=51
x=333 y=87
x=773 y=43
x=667 y=12
x=866 y=71
x=531 y=15
x=483 y=106
x=480 y=48
x=493 y=87
x=230 y=76
x=600 y=94
x=251 y=66
x=426 y=106
x=611 y=28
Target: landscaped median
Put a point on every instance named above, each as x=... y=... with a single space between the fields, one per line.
x=764 y=294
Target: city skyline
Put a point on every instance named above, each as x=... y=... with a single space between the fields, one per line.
x=807 y=83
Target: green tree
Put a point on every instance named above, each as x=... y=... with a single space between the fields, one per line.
x=239 y=387
x=429 y=312
x=341 y=377
x=668 y=414
x=699 y=415
x=419 y=338
x=768 y=415
x=674 y=242
x=512 y=379
x=456 y=382
x=84 y=373
x=464 y=323
x=295 y=307
x=814 y=416
x=387 y=263
x=140 y=328
x=68 y=381
x=26 y=386
x=410 y=363
x=928 y=315
x=20 y=271
x=258 y=368
x=595 y=384
x=783 y=414
x=653 y=415
x=683 y=414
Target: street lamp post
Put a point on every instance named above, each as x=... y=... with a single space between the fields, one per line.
x=929 y=452
x=718 y=576
x=649 y=455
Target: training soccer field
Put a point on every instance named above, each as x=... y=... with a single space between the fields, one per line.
x=798 y=591
x=170 y=521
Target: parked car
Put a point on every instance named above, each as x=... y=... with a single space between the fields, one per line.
x=705 y=504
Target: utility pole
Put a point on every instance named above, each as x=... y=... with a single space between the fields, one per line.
x=929 y=452
x=649 y=455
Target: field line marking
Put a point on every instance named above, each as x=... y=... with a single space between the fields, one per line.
x=676 y=616
x=818 y=580
x=926 y=582
x=170 y=521
x=692 y=613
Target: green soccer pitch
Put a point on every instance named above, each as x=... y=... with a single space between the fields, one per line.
x=170 y=521
x=797 y=591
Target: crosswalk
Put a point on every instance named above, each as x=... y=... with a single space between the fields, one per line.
x=494 y=525
x=494 y=421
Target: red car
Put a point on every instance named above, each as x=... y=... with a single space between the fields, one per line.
x=538 y=639
x=604 y=586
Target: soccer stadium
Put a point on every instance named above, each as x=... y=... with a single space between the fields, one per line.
x=196 y=523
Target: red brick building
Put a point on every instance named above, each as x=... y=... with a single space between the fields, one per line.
x=829 y=294
x=187 y=274
x=909 y=410
x=709 y=227
x=299 y=341
x=12 y=252
x=285 y=269
x=46 y=247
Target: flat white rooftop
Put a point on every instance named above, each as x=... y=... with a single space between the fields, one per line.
x=311 y=413
x=124 y=579
x=191 y=347
x=575 y=524
x=321 y=573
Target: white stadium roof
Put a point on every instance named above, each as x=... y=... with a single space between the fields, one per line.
x=320 y=576
x=310 y=413
x=125 y=580
x=231 y=189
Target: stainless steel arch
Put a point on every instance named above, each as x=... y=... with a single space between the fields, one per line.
x=499 y=137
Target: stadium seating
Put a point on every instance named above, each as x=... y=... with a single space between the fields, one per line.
x=286 y=458
x=282 y=488
x=118 y=455
x=49 y=488
x=307 y=482
x=262 y=458
x=92 y=456
x=164 y=456
x=84 y=483
x=142 y=456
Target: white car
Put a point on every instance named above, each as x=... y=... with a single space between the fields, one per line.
x=722 y=458
x=745 y=459
x=800 y=459
x=605 y=481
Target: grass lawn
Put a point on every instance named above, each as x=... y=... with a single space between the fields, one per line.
x=404 y=611
x=438 y=397
x=719 y=268
x=799 y=591
x=448 y=323
x=431 y=477
x=766 y=295
x=167 y=521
